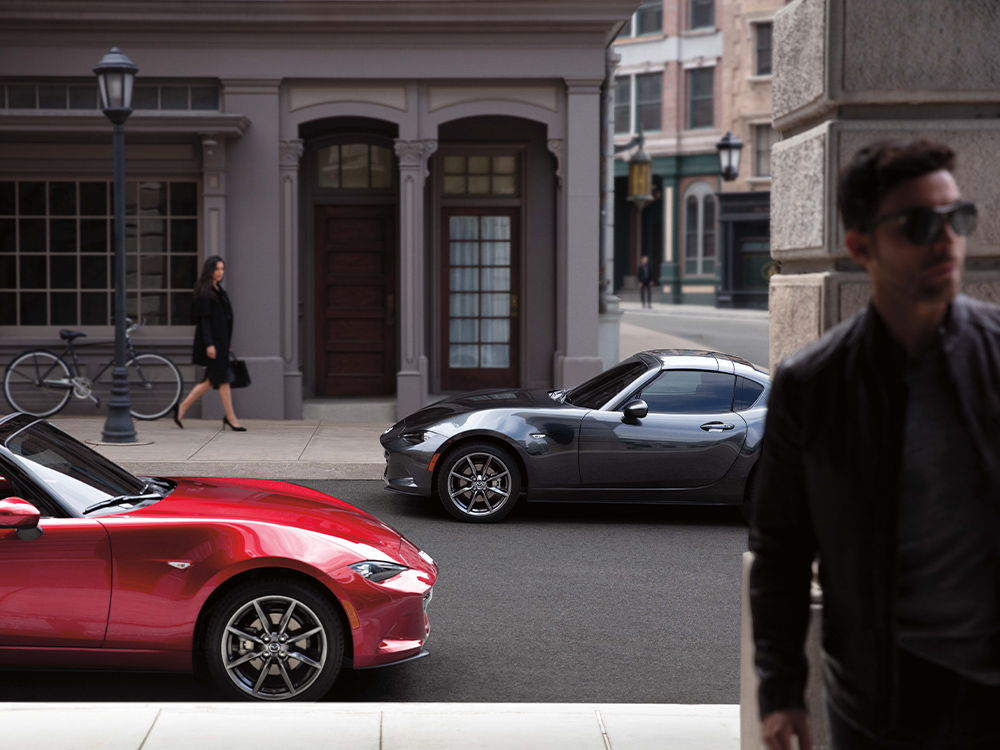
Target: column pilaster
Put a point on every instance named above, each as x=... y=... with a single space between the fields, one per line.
x=290 y=152
x=412 y=378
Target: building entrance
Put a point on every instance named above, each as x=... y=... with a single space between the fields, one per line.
x=355 y=288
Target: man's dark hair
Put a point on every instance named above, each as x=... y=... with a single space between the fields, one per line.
x=878 y=168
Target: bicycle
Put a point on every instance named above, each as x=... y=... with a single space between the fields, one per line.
x=39 y=383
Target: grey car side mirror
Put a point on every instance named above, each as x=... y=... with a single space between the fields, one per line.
x=635 y=410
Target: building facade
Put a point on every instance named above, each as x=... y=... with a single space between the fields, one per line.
x=669 y=82
x=406 y=193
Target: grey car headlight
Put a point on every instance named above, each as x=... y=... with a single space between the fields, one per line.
x=417 y=437
x=377 y=570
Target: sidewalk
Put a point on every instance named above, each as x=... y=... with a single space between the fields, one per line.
x=269 y=449
x=368 y=726
x=696 y=311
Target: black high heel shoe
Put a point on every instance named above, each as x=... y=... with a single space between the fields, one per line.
x=177 y=419
x=226 y=423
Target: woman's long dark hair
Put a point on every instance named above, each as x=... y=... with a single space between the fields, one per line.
x=204 y=286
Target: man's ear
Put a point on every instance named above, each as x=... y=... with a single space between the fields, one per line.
x=859 y=245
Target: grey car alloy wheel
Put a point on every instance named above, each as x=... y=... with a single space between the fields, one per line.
x=479 y=483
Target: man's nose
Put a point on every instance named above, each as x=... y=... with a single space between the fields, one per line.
x=947 y=238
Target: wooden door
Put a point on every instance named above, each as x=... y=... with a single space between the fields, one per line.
x=480 y=290
x=355 y=300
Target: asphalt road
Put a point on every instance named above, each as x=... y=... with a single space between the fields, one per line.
x=743 y=336
x=560 y=603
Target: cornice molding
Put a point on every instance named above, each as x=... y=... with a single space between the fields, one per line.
x=584 y=85
x=68 y=121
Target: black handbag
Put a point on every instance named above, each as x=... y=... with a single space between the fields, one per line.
x=241 y=375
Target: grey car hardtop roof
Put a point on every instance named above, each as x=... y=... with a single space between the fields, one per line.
x=665 y=355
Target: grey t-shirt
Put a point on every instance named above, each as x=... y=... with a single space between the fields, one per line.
x=948 y=607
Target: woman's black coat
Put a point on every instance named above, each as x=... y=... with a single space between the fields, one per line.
x=214 y=327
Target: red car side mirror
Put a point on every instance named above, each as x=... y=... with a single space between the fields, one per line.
x=16 y=513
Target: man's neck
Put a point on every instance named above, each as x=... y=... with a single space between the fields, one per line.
x=915 y=326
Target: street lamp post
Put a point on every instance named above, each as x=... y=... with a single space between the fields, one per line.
x=115 y=79
x=729 y=147
x=640 y=193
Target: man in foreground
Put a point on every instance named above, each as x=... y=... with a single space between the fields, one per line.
x=882 y=458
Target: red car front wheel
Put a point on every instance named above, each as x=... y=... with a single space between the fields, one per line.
x=274 y=639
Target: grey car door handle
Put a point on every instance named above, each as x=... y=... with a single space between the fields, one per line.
x=717 y=426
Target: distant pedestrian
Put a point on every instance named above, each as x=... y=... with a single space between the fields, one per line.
x=212 y=336
x=645 y=278
x=882 y=458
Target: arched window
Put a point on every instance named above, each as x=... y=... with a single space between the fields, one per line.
x=699 y=230
x=354 y=166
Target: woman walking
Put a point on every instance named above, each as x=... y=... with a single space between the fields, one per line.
x=212 y=335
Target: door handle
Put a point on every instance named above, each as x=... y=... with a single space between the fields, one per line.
x=717 y=426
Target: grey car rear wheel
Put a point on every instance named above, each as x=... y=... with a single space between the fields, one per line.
x=479 y=483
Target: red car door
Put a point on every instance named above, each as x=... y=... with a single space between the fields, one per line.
x=55 y=590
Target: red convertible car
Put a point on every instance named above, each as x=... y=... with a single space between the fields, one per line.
x=272 y=587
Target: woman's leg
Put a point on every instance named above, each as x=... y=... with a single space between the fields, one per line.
x=226 y=394
x=197 y=392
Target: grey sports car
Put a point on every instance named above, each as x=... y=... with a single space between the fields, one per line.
x=664 y=426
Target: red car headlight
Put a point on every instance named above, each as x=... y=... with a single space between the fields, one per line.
x=377 y=570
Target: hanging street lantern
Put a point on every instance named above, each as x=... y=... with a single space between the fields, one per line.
x=640 y=176
x=729 y=156
x=115 y=79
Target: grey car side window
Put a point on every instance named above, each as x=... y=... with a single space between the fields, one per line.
x=690 y=392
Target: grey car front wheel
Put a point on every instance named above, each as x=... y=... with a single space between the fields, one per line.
x=479 y=483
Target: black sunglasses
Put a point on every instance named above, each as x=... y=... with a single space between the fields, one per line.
x=923 y=225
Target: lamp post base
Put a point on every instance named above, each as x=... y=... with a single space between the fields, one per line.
x=119 y=428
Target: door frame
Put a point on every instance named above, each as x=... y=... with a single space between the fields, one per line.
x=440 y=203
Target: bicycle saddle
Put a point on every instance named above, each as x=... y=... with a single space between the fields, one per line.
x=70 y=335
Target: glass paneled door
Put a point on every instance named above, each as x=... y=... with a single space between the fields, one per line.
x=480 y=290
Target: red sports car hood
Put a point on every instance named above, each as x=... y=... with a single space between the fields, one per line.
x=264 y=501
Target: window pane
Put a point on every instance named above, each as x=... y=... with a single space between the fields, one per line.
x=354 y=168
x=8 y=272
x=183 y=199
x=94 y=309
x=496 y=279
x=504 y=186
x=479 y=165
x=7 y=203
x=21 y=97
x=131 y=271
x=504 y=164
x=649 y=18
x=649 y=100
x=708 y=239
x=93 y=235
x=463 y=228
x=204 y=97
x=153 y=236
x=496 y=305
x=84 y=97
x=763 y=49
x=623 y=104
x=329 y=167
x=690 y=392
x=8 y=235
x=154 y=272
x=479 y=185
x=32 y=235
x=691 y=227
x=764 y=139
x=180 y=308
x=381 y=167
x=702 y=13
x=463 y=331
x=496 y=330
x=8 y=309
x=62 y=198
x=94 y=272
x=145 y=97
x=496 y=355
x=94 y=198
x=153 y=198
x=62 y=236
x=154 y=309
x=464 y=305
x=454 y=165
x=131 y=200
x=33 y=272
x=173 y=97
x=496 y=254
x=64 y=273
x=464 y=280
x=463 y=356
x=52 y=97
x=701 y=94
x=464 y=254
x=496 y=227
x=32 y=198
x=63 y=308
x=183 y=271
x=454 y=185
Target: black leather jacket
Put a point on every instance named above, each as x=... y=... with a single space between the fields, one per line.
x=829 y=487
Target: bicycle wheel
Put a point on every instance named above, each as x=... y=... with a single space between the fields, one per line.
x=154 y=385
x=37 y=383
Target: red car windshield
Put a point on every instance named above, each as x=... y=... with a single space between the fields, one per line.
x=77 y=476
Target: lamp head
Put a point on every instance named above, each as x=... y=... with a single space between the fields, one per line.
x=115 y=80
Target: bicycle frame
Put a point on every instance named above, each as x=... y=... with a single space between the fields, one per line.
x=74 y=365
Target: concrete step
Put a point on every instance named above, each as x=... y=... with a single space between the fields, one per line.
x=355 y=409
